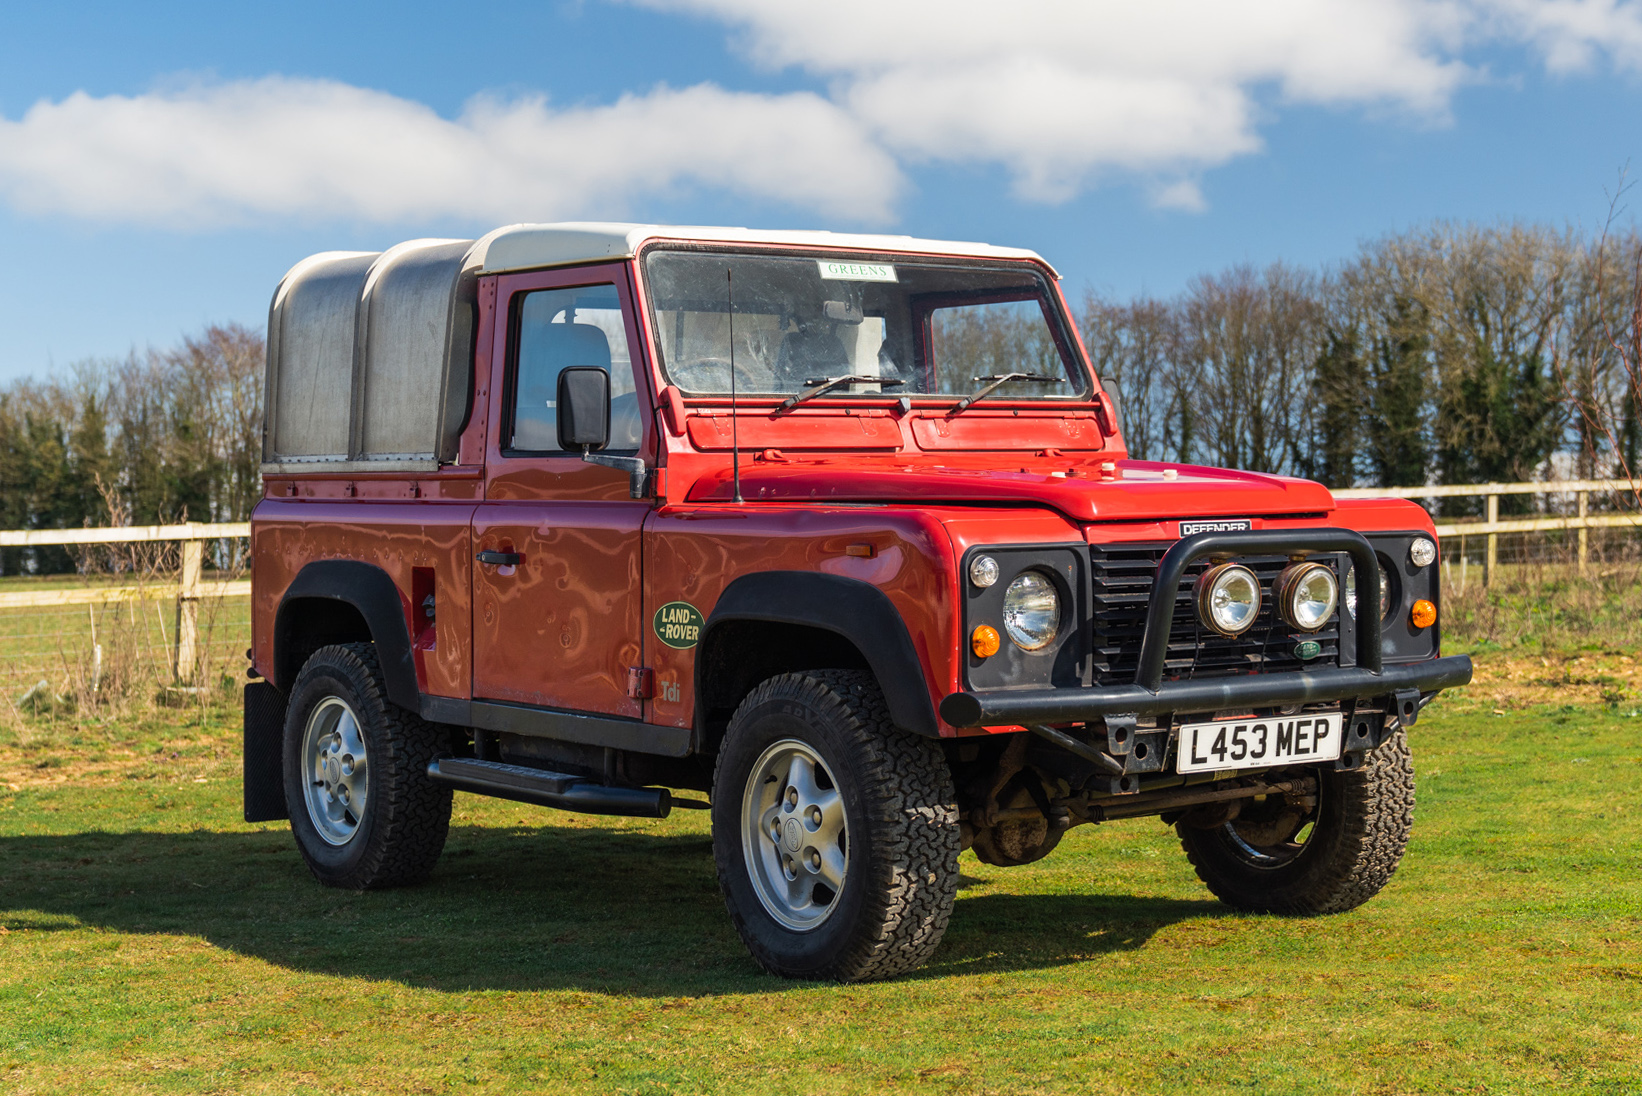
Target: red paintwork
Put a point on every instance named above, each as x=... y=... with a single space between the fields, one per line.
x=1075 y=487
x=692 y=552
x=574 y=617
x=287 y=533
x=804 y=428
x=980 y=429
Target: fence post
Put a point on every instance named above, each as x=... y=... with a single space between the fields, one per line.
x=1491 y=561
x=188 y=611
x=1584 y=534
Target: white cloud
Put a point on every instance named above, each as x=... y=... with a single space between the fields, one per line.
x=232 y=153
x=1572 y=34
x=1184 y=194
x=1060 y=93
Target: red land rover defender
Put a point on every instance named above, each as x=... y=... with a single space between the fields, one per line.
x=839 y=530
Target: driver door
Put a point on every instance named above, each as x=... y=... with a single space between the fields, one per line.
x=557 y=613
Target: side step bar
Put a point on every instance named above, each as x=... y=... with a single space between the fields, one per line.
x=548 y=789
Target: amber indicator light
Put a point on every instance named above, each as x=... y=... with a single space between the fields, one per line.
x=985 y=641
x=1423 y=615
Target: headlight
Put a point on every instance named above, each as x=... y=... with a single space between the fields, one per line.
x=1031 y=611
x=1422 y=552
x=1228 y=598
x=1306 y=595
x=1351 y=593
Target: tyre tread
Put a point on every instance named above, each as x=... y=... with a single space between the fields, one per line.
x=1378 y=816
x=411 y=819
x=912 y=818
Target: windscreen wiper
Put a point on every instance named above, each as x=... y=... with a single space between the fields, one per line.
x=821 y=385
x=997 y=381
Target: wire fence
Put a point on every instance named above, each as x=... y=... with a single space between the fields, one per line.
x=80 y=656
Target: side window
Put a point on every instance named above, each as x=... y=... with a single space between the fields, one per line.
x=565 y=327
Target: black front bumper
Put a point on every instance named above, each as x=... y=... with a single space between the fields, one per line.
x=1003 y=707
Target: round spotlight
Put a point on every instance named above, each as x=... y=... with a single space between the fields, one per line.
x=1422 y=552
x=1228 y=598
x=983 y=571
x=1306 y=595
x=1031 y=611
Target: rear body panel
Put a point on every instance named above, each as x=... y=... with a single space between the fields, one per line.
x=417 y=541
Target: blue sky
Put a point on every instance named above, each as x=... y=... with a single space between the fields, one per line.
x=1132 y=150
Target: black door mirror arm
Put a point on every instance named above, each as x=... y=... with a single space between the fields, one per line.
x=638 y=473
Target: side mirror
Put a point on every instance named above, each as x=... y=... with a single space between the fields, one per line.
x=1114 y=396
x=583 y=408
x=584 y=424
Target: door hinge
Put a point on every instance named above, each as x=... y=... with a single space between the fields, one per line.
x=641 y=682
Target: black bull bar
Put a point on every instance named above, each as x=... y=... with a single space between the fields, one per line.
x=1151 y=695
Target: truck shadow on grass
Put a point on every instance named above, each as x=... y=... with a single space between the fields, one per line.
x=604 y=911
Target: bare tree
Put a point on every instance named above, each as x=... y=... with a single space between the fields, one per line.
x=1497 y=300
x=1250 y=340
x=1130 y=343
x=175 y=431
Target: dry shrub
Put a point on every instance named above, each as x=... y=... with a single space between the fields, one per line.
x=1545 y=605
x=122 y=659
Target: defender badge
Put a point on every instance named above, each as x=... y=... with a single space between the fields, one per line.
x=1215 y=525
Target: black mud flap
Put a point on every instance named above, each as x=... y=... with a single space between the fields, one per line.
x=264 y=752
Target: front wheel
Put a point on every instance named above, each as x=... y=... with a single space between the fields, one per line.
x=835 y=832
x=1327 y=856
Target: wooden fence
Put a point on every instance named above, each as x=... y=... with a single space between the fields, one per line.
x=190 y=588
x=1490 y=527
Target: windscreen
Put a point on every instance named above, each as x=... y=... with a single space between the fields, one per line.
x=905 y=328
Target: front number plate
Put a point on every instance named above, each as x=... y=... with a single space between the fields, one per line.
x=1259 y=743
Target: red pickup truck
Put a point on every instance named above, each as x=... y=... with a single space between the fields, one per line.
x=838 y=530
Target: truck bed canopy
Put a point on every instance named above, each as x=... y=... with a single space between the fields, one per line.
x=370 y=354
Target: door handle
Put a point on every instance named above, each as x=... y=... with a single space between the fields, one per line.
x=498 y=559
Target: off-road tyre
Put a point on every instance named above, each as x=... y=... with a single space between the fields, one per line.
x=1360 y=828
x=402 y=830
x=901 y=813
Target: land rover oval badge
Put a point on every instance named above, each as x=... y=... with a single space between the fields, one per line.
x=678 y=624
x=1307 y=649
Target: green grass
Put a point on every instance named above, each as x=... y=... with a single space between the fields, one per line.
x=154 y=943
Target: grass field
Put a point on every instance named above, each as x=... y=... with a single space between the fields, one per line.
x=150 y=942
x=55 y=643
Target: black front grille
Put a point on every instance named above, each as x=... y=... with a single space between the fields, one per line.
x=1123 y=577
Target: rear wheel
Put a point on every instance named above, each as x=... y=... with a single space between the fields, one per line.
x=835 y=832
x=1324 y=857
x=362 y=808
